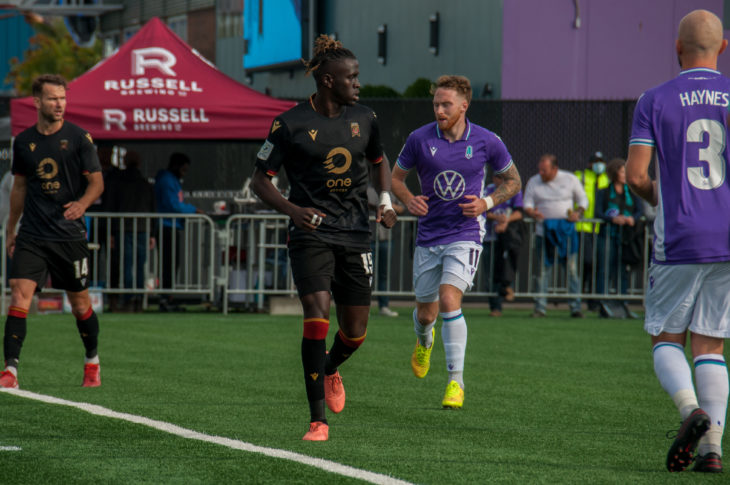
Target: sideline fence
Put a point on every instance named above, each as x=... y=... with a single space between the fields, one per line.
x=241 y=261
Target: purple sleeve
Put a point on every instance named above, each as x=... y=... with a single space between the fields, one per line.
x=406 y=158
x=499 y=159
x=641 y=130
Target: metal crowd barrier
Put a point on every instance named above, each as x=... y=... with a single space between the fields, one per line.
x=241 y=261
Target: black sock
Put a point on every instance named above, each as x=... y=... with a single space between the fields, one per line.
x=313 y=353
x=15 y=330
x=339 y=353
x=88 y=326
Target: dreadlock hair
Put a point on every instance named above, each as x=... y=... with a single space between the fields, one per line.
x=325 y=50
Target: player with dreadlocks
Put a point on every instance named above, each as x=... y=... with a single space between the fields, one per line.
x=328 y=145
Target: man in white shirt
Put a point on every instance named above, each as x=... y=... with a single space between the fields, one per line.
x=556 y=200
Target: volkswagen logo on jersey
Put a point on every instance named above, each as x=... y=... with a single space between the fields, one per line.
x=449 y=185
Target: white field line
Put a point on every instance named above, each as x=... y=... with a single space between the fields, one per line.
x=320 y=463
x=10 y=448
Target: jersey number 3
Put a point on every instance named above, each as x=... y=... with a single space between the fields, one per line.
x=712 y=154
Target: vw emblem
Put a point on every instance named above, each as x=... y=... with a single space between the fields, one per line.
x=449 y=185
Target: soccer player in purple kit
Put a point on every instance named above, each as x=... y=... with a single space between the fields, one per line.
x=450 y=156
x=683 y=122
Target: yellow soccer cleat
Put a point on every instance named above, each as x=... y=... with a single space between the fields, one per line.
x=454 y=396
x=421 y=358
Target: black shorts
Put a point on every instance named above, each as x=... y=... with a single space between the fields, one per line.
x=67 y=263
x=320 y=266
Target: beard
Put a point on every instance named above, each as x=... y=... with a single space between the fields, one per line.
x=449 y=122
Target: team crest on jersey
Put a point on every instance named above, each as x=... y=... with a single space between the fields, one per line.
x=355 y=129
x=275 y=126
x=32 y=147
x=265 y=150
x=469 y=152
x=88 y=137
x=64 y=144
x=433 y=151
x=449 y=185
x=313 y=134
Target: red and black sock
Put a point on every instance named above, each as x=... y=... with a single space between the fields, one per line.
x=15 y=329
x=313 y=356
x=342 y=348
x=88 y=325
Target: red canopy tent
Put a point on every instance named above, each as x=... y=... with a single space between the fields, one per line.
x=157 y=87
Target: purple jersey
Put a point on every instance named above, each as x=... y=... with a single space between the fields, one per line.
x=448 y=172
x=685 y=119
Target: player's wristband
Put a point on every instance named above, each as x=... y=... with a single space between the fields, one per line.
x=489 y=201
x=385 y=200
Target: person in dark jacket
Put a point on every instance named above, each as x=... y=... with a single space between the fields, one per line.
x=132 y=193
x=621 y=210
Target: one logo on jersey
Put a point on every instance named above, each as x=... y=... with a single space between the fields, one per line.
x=265 y=150
x=338 y=162
x=275 y=126
x=32 y=147
x=449 y=185
x=47 y=169
x=335 y=164
x=433 y=151
x=313 y=134
x=64 y=144
x=355 y=129
x=469 y=152
x=88 y=137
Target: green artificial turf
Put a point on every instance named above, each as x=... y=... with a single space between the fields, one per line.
x=551 y=400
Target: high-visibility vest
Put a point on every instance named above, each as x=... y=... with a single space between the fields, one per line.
x=592 y=183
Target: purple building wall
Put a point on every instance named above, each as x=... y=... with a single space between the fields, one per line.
x=621 y=48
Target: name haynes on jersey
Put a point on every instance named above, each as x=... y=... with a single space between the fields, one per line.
x=705 y=96
x=154 y=119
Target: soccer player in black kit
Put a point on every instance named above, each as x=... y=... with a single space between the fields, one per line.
x=328 y=145
x=57 y=176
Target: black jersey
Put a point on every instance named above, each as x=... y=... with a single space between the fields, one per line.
x=326 y=161
x=54 y=167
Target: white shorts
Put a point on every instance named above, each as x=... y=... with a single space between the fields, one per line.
x=689 y=296
x=451 y=264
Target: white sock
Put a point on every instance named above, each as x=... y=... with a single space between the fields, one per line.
x=12 y=370
x=93 y=360
x=423 y=332
x=675 y=376
x=453 y=332
x=712 y=390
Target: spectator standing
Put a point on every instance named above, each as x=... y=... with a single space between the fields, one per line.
x=593 y=178
x=621 y=210
x=556 y=200
x=133 y=194
x=502 y=246
x=169 y=200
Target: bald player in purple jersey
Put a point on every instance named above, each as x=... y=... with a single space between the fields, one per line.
x=683 y=122
x=451 y=157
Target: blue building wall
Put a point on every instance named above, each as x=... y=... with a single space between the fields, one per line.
x=15 y=34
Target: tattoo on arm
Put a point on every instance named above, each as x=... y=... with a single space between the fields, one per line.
x=509 y=188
